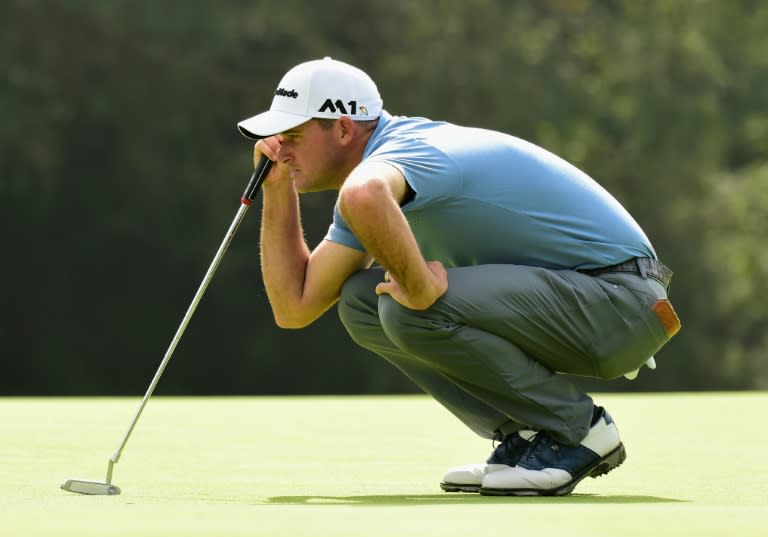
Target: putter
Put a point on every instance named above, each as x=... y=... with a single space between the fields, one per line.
x=106 y=488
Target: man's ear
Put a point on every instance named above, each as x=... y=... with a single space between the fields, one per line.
x=346 y=129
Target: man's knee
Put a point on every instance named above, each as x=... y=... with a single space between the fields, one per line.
x=406 y=328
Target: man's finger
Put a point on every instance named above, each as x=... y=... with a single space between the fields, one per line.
x=383 y=288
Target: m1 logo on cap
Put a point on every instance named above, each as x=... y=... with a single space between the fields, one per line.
x=338 y=106
x=282 y=92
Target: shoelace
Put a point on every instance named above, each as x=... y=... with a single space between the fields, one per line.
x=502 y=444
x=536 y=441
x=496 y=443
x=508 y=449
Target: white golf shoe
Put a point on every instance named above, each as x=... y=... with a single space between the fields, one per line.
x=549 y=468
x=469 y=477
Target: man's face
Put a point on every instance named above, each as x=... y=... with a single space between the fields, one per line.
x=312 y=156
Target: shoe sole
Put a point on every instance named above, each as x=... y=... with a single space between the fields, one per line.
x=600 y=467
x=456 y=487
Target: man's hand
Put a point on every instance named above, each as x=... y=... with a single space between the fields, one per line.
x=271 y=148
x=267 y=146
x=430 y=292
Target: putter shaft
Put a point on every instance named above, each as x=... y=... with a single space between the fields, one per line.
x=247 y=198
x=179 y=332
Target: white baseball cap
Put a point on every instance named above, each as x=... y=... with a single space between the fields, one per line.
x=320 y=88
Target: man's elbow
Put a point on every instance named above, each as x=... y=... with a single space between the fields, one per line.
x=293 y=318
x=361 y=198
x=291 y=322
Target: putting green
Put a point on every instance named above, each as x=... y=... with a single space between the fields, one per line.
x=366 y=466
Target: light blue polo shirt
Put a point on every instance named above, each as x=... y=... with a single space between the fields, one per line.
x=483 y=197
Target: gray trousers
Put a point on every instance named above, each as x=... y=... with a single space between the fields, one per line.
x=491 y=348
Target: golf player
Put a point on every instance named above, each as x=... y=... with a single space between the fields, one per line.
x=482 y=266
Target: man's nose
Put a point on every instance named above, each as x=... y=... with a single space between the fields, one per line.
x=285 y=153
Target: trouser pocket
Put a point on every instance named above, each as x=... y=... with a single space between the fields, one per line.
x=634 y=335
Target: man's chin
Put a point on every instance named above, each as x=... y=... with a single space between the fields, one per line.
x=304 y=184
x=299 y=181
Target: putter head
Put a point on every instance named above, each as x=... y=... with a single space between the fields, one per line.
x=90 y=487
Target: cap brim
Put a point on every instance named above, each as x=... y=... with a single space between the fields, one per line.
x=269 y=123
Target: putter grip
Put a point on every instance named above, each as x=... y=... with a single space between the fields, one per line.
x=259 y=174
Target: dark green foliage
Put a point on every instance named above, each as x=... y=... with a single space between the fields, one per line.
x=120 y=169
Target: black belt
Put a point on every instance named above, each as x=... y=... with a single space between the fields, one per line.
x=643 y=266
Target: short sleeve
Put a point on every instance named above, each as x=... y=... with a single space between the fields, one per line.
x=340 y=233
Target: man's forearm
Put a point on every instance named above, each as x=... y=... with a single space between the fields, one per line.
x=380 y=225
x=284 y=253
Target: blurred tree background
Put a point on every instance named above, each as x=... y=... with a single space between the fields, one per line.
x=121 y=168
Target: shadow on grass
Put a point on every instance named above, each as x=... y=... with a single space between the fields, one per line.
x=454 y=499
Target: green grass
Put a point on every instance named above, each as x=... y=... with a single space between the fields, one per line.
x=367 y=466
